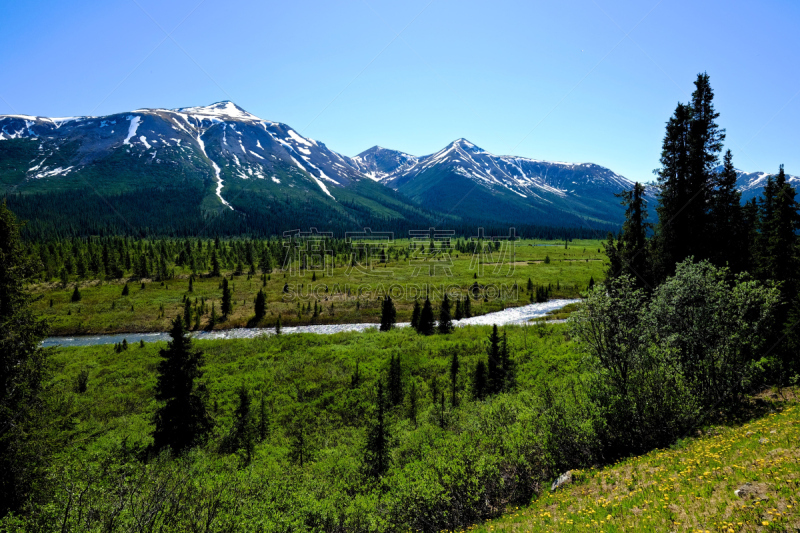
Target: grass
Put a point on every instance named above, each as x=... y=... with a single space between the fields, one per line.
x=689 y=487
x=103 y=309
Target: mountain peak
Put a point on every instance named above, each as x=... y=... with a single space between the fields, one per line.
x=223 y=109
x=464 y=144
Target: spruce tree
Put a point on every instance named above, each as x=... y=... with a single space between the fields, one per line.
x=191 y=283
x=426 y=322
x=507 y=373
x=242 y=433
x=459 y=314
x=182 y=420
x=388 y=314
x=125 y=290
x=215 y=272
x=395 y=381
x=782 y=244
x=689 y=157
x=278 y=326
x=494 y=377
x=629 y=254
x=187 y=313
x=730 y=242
x=412 y=403
x=415 y=315
x=445 y=320
x=227 y=304
x=376 y=452
x=261 y=305
x=76 y=295
x=467 y=308
x=23 y=370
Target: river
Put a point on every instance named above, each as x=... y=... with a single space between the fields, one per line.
x=513 y=315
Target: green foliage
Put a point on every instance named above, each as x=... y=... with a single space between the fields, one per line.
x=182 y=420
x=445 y=324
x=426 y=323
x=388 y=314
x=23 y=370
x=661 y=362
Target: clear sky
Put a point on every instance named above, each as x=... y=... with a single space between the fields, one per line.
x=570 y=80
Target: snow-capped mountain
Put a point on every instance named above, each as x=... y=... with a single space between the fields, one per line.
x=464 y=178
x=222 y=138
x=752 y=184
x=381 y=164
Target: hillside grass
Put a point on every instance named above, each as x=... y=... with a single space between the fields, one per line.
x=103 y=309
x=688 y=487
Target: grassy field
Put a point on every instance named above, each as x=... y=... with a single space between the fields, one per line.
x=307 y=385
x=689 y=487
x=343 y=296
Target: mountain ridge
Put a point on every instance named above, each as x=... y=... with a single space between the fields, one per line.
x=235 y=158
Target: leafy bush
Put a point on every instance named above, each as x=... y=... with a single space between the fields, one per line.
x=661 y=362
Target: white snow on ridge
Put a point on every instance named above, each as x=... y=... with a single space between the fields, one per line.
x=220 y=110
x=298 y=138
x=132 y=128
x=216 y=171
x=55 y=172
x=144 y=141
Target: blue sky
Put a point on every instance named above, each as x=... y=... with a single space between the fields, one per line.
x=579 y=81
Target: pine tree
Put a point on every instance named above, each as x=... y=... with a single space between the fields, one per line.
x=426 y=322
x=227 y=304
x=689 y=158
x=780 y=261
x=243 y=429
x=479 y=381
x=23 y=370
x=376 y=452
x=278 y=326
x=415 y=315
x=388 y=314
x=261 y=305
x=494 y=377
x=467 y=308
x=730 y=242
x=191 y=283
x=187 y=313
x=76 y=295
x=507 y=373
x=459 y=314
x=445 y=321
x=412 y=403
x=182 y=420
x=213 y=319
x=395 y=381
x=215 y=272
x=125 y=290
x=629 y=254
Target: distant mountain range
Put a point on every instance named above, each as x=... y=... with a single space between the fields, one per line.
x=239 y=163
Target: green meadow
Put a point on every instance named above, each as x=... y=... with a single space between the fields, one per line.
x=343 y=294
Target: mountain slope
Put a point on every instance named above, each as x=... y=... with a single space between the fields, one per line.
x=751 y=184
x=219 y=157
x=468 y=181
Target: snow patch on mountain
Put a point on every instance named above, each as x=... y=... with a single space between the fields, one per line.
x=217 y=171
x=135 y=121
